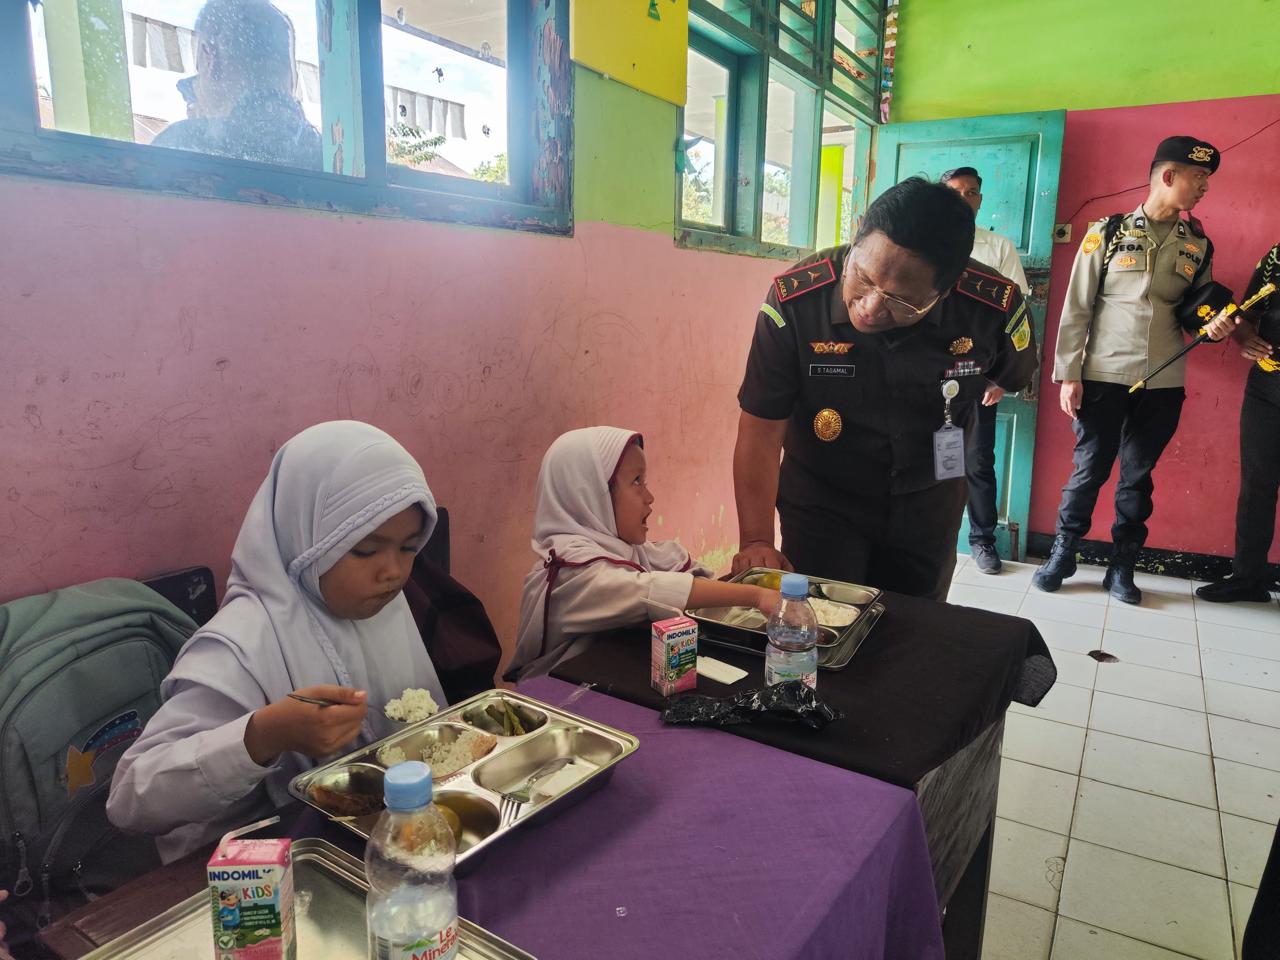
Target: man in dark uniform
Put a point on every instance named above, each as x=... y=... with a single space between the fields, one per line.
x=865 y=368
x=1120 y=319
x=1259 y=446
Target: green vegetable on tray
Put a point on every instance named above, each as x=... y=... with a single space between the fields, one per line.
x=502 y=713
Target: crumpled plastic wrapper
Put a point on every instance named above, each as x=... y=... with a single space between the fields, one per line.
x=791 y=700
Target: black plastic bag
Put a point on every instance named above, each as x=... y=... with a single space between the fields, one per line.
x=791 y=700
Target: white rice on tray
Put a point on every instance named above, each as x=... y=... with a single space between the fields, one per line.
x=411 y=706
x=445 y=759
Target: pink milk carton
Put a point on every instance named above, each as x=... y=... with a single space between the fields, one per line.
x=251 y=887
x=673 y=656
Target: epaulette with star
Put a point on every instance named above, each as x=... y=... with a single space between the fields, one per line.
x=994 y=291
x=801 y=280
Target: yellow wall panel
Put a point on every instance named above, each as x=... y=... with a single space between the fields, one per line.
x=641 y=43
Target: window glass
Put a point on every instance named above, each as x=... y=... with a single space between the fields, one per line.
x=445 y=68
x=740 y=10
x=778 y=148
x=836 y=180
x=232 y=78
x=706 y=138
x=789 y=142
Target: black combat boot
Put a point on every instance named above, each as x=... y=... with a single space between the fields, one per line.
x=1119 y=579
x=1233 y=589
x=1060 y=565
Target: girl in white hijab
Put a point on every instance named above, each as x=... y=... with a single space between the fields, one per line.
x=313 y=606
x=594 y=569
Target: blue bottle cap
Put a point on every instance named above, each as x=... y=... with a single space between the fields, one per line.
x=407 y=786
x=795 y=586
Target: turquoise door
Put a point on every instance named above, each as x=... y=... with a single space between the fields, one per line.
x=1018 y=157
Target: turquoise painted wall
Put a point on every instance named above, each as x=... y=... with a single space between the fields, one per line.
x=963 y=58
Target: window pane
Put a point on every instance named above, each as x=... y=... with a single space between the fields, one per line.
x=232 y=78
x=778 y=147
x=791 y=137
x=740 y=10
x=444 y=64
x=706 y=138
x=798 y=30
x=836 y=180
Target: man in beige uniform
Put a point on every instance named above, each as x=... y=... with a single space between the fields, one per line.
x=1120 y=319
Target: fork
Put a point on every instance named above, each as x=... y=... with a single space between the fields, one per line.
x=513 y=801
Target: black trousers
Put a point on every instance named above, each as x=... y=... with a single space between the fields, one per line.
x=980 y=468
x=901 y=542
x=1136 y=427
x=1259 y=473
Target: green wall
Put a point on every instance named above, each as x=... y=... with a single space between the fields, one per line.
x=961 y=58
x=624 y=161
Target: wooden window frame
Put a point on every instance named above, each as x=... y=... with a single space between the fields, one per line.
x=540 y=102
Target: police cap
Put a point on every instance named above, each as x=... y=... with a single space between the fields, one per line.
x=1198 y=308
x=1189 y=150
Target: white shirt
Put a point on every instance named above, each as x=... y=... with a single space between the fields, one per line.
x=999 y=253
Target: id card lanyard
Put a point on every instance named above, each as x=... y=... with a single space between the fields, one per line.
x=948 y=440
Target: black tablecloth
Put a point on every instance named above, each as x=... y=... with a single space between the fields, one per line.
x=928 y=680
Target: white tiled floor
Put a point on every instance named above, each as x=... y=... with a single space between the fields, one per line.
x=1138 y=801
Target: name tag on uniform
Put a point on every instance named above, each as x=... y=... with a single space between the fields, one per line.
x=948 y=453
x=831 y=369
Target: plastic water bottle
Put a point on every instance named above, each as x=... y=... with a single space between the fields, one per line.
x=792 y=653
x=413 y=900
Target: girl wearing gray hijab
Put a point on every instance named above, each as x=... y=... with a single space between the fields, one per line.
x=313 y=606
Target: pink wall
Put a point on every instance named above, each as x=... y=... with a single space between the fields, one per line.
x=1107 y=151
x=155 y=351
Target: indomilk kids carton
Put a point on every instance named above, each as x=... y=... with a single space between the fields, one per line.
x=673 y=656
x=251 y=886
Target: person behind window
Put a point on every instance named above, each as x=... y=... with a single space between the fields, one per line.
x=243 y=103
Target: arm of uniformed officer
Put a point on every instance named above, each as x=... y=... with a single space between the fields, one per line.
x=768 y=394
x=1015 y=360
x=1252 y=346
x=1077 y=307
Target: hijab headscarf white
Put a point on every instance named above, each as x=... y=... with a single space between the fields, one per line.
x=573 y=524
x=328 y=488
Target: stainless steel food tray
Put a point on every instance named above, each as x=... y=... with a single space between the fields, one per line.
x=475 y=791
x=834 y=654
x=329 y=916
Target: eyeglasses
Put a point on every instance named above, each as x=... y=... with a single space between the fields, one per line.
x=900 y=309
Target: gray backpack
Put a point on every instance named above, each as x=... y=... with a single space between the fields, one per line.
x=80 y=673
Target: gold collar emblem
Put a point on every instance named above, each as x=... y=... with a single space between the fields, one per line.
x=961 y=346
x=827 y=425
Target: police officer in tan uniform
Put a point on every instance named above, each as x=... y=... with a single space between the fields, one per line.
x=1120 y=319
x=865 y=369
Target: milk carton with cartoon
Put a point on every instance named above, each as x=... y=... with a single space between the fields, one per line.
x=673 y=656
x=251 y=890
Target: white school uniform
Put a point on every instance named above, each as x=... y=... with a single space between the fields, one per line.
x=189 y=776
x=587 y=579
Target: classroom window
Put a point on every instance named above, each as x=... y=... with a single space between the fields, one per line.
x=788 y=178
x=856 y=53
x=781 y=99
x=445 y=72
x=247 y=89
x=439 y=109
x=706 y=142
x=841 y=175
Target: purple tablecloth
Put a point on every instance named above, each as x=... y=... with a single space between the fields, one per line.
x=706 y=845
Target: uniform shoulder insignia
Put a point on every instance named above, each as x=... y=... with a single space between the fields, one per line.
x=801 y=280
x=986 y=288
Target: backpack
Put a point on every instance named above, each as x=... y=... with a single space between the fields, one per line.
x=80 y=673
